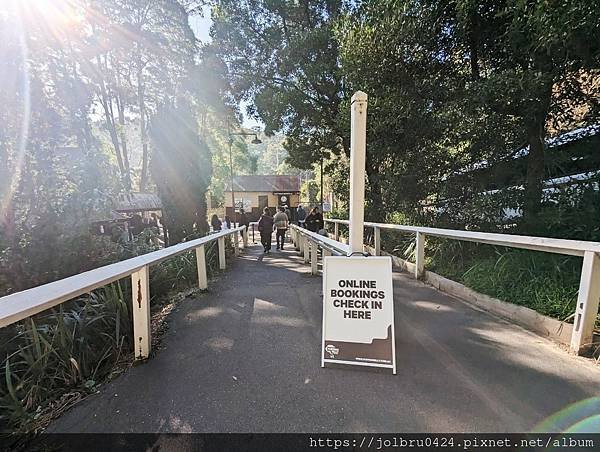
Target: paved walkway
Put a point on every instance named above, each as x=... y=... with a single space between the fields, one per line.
x=245 y=358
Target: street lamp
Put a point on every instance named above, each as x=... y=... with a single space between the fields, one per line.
x=254 y=141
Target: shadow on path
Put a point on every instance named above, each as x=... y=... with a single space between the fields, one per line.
x=245 y=357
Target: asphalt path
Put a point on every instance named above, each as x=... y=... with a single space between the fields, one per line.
x=245 y=357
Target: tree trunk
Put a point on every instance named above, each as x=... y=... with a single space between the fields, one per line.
x=535 y=172
x=376 y=212
x=536 y=160
x=109 y=119
x=474 y=44
x=110 y=125
x=121 y=110
x=143 y=134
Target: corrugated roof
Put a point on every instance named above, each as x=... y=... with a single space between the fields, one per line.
x=138 y=202
x=265 y=183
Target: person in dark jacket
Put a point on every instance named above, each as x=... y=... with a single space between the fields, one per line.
x=300 y=216
x=314 y=220
x=265 y=227
x=244 y=221
x=215 y=223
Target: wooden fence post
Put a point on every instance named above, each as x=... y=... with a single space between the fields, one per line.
x=587 y=303
x=420 y=255
x=314 y=258
x=377 y=234
x=236 y=243
x=305 y=249
x=221 y=243
x=140 y=290
x=201 y=266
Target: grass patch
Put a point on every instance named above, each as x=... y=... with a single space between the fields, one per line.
x=544 y=282
x=547 y=283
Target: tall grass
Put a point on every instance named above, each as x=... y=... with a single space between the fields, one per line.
x=544 y=282
x=69 y=349
x=547 y=283
x=55 y=358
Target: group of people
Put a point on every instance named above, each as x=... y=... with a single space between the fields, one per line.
x=313 y=221
x=280 y=224
x=218 y=225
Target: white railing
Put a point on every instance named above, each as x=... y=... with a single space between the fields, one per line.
x=308 y=243
x=589 y=285
x=21 y=305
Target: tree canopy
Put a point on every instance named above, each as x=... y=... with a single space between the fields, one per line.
x=450 y=84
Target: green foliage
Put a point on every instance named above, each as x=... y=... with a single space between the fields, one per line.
x=544 y=282
x=449 y=85
x=70 y=349
x=310 y=192
x=181 y=168
x=71 y=68
x=272 y=156
x=55 y=358
x=143 y=57
x=283 y=57
x=467 y=81
x=571 y=213
x=244 y=159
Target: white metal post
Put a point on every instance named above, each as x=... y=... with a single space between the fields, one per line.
x=336 y=232
x=314 y=258
x=236 y=243
x=201 y=266
x=305 y=249
x=377 y=234
x=420 y=255
x=221 y=244
x=358 y=145
x=140 y=290
x=587 y=303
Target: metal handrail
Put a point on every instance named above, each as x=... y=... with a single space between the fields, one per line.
x=20 y=305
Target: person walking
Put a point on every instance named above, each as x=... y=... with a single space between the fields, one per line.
x=281 y=221
x=265 y=227
x=215 y=223
x=301 y=216
x=244 y=221
x=314 y=220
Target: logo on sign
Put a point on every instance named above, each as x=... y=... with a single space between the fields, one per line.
x=332 y=350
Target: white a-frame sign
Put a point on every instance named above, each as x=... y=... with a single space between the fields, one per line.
x=358 y=312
